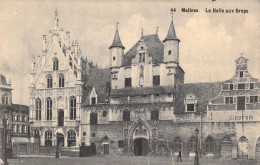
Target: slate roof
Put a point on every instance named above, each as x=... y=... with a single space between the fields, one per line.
x=204 y=92
x=2 y=79
x=117 y=41
x=99 y=78
x=171 y=34
x=21 y=108
x=155 y=50
x=142 y=91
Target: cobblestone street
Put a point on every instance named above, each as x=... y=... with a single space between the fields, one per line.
x=124 y=160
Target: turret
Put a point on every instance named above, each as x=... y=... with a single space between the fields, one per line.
x=171 y=46
x=241 y=66
x=116 y=51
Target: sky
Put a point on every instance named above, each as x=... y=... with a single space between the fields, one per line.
x=210 y=42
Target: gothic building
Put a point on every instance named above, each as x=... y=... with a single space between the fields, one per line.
x=141 y=105
x=57 y=75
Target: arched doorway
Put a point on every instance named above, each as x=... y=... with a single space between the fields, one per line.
x=226 y=147
x=209 y=142
x=192 y=145
x=257 y=149
x=61 y=140
x=243 y=148
x=140 y=147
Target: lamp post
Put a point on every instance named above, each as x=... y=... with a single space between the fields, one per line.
x=196 y=160
x=57 y=145
x=4 y=120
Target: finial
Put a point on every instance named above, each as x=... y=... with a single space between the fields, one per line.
x=157 y=28
x=117 y=25
x=142 y=32
x=172 y=13
x=241 y=54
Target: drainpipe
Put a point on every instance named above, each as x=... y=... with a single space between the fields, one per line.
x=200 y=131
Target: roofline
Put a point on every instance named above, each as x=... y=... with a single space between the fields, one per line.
x=166 y=39
x=116 y=47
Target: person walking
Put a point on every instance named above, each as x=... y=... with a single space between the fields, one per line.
x=179 y=156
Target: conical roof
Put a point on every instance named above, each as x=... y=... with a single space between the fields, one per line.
x=171 y=33
x=117 y=41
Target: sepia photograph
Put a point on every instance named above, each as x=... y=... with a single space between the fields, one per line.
x=120 y=82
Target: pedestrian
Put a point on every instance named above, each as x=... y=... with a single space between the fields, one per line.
x=179 y=156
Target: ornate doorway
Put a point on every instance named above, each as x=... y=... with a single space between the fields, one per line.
x=61 y=140
x=140 y=147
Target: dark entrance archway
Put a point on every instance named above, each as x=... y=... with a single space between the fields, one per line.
x=61 y=140
x=140 y=147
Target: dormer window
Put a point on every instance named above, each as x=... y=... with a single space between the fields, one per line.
x=93 y=100
x=169 y=52
x=241 y=74
x=114 y=58
x=190 y=103
x=251 y=85
x=241 y=86
x=55 y=64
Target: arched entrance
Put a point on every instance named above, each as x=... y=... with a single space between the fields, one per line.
x=61 y=140
x=140 y=147
x=226 y=147
x=243 y=148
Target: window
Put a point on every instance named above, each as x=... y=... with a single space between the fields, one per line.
x=114 y=58
x=48 y=138
x=231 y=87
x=93 y=100
x=93 y=135
x=190 y=107
x=104 y=113
x=71 y=138
x=251 y=85
x=155 y=115
x=93 y=118
x=5 y=99
x=229 y=100
x=55 y=64
x=253 y=99
x=38 y=109
x=192 y=144
x=23 y=129
x=84 y=133
x=177 y=144
x=18 y=128
x=23 y=118
x=73 y=108
x=209 y=144
x=18 y=118
x=141 y=57
x=49 y=108
x=126 y=116
x=120 y=144
x=128 y=82
x=49 y=81
x=156 y=80
x=241 y=74
x=61 y=80
x=241 y=86
x=169 y=52
x=13 y=117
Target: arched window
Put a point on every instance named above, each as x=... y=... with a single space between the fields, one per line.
x=192 y=144
x=177 y=144
x=48 y=138
x=38 y=109
x=61 y=80
x=209 y=144
x=49 y=81
x=55 y=64
x=49 y=108
x=72 y=108
x=71 y=138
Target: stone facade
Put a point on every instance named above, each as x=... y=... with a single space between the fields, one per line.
x=149 y=110
x=57 y=75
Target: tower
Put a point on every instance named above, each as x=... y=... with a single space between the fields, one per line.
x=116 y=51
x=171 y=46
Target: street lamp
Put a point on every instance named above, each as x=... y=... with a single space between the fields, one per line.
x=196 y=160
x=4 y=120
x=57 y=145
